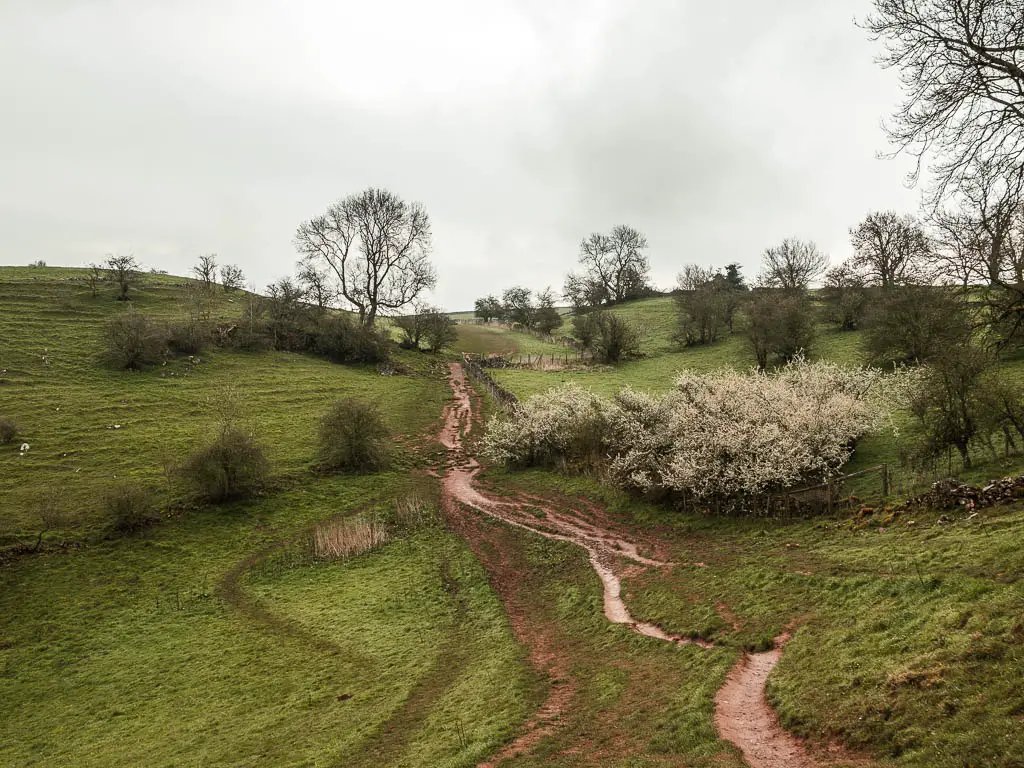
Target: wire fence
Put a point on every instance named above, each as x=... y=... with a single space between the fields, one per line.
x=475 y=368
x=872 y=486
x=550 y=361
x=843 y=492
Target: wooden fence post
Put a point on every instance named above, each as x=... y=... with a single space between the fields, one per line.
x=885 y=480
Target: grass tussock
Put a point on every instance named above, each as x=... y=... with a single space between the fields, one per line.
x=345 y=537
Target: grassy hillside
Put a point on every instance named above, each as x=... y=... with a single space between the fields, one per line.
x=179 y=646
x=654 y=319
x=87 y=424
x=908 y=630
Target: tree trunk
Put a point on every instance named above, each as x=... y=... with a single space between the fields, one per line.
x=964 y=455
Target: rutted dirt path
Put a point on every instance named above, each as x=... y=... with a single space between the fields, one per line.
x=603 y=546
x=744 y=717
x=742 y=713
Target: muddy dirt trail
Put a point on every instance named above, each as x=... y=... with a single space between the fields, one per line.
x=742 y=713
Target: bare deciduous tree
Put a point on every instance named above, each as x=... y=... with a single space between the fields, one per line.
x=206 y=270
x=287 y=313
x=982 y=247
x=94 y=276
x=915 y=324
x=50 y=512
x=317 y=284
x=231 y=277
x=584 y=292
x=779 y=324
x=616 y=262
x=414 y=324
x=844 y=296
x=124 y=270
x=889 y=249
x=702 y=305
x=792 y=265
x=961 y=63
x=517 y=306
x=376 y=246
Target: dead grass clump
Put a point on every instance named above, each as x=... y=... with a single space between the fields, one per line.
x=344 y=537
x=412 y=511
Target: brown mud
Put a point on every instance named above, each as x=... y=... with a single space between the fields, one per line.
x=742 y=713
x=744 y=717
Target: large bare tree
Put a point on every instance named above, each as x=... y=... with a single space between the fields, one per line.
x=231 y=277
x=376 y=246
x=616 y=262
x=889 y=249
x=961 y=63
x=792 y=264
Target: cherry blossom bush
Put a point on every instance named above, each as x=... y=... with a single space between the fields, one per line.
x=715 y=435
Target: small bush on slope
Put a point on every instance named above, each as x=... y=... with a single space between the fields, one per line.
x=8 y=430
x=353 y=437
x=134 y=341
x=341 y=340
x=233 y=466
x=130 y=507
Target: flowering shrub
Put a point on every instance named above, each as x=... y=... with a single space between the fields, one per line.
x=718 y=435
x=565 y=424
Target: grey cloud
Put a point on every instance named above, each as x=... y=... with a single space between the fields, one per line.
x=717 y=130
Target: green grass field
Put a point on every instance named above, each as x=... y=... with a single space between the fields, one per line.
x=86 y=423
x=214 y=638
x=174 y=647
x=908 y=633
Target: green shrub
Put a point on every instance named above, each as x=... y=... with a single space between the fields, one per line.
x=615 y=338
x=8 y=430
x=916 y=323
x=584 y=327
x=353 y=437
x=129 y=507
x=189 y=337
x=440 y=331
x=233 y=466
x=134 y=341
x=343 y=341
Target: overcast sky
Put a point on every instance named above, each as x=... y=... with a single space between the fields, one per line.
x=169 y=129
